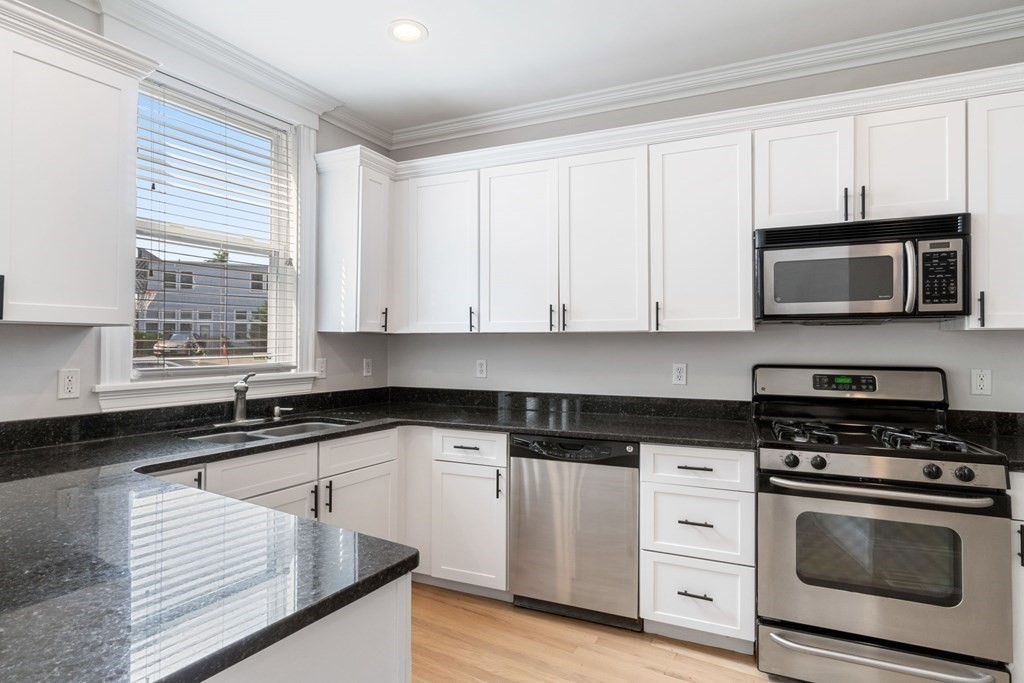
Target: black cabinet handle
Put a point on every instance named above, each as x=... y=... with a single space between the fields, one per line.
x=694 y=596
x=703 y=524
x=846 y=203
x=1020 y=532
x=385 y=325
x=551 y=318
x=497 y=484
x=330 y=495
x=316 y=502
x=564 y=316
x=981 y=307
x=199 y=479
x=1 y=297
x=657 y=316
x=863 y=201
x=470 y=318
x=697 y=469
x=467 y=448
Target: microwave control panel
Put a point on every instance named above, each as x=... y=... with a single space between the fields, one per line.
x=940 y=267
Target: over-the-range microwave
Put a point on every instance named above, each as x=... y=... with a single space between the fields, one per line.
x=868 y=271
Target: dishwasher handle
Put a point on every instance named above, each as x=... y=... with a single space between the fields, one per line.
x=581 y=451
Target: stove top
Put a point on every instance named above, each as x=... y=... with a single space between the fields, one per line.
x=914 y=439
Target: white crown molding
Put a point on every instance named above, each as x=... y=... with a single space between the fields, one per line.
x=45 y=28
x=355 y=156
x=948 y=35
x=345 y=118
x=188 y=37
x=913 y=93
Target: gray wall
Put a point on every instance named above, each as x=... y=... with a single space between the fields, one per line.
x=330 y=136
x=719 y=364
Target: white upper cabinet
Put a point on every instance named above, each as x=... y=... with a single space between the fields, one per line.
x=911 y=162
x=353 y=244
x=701 y=249
x=519 y=248
x=905 y=162
x=804 y=173
x=603 y=249
x=996 y=200
x=441 y=221
x=67 y=169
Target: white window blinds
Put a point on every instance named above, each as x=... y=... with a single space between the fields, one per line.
x=215 y=278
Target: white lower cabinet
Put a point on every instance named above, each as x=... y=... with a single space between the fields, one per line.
x=1016 y=541
x=414 y=449
x=298 y=500
x=469 y=524
x=697 y=541
x=714 y=597
x=255 y=475
x=364 y=500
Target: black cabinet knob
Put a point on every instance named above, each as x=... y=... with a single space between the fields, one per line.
x=818 y=462
x=791 y=460
x=964 y=473
x=932 y=471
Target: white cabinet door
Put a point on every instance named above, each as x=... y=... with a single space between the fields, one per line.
x=297 y=500
x=519 y=248
x=365 y=500
x=469 y=524
x=911 y=162
x=603 y=227
x=1017 y=597
x=441 y=228
x=414 y=448
x=187 y=476
x=803 y=174
x=996 y=200
x=352 y=270
x=67 y=168
x=701 y=250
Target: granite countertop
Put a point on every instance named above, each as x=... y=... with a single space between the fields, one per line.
x=110 y=574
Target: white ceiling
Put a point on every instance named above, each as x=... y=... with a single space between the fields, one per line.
x=486 y=55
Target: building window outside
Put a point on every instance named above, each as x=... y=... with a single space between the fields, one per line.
x=215 y=235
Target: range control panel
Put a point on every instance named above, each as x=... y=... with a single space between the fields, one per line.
x=941 y=278
x=823 y=382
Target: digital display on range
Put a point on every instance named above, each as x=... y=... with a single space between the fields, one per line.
x=845 y=383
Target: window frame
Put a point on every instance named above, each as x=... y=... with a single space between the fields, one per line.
x=120 y=389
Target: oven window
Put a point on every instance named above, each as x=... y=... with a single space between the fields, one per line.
x=868 y=278
x=912 y=562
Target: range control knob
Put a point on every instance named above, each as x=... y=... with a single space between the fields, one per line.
x=791 y=460
x=964 y=473
x=818 y=462
x=932 y=471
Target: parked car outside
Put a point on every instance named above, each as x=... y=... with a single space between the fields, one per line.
x=179 y=344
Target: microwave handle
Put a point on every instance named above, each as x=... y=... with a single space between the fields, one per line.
x=911 y=251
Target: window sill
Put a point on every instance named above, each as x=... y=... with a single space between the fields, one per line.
x=187 y=391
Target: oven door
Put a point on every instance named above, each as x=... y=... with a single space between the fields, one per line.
x=836 y=280
x=892 y=564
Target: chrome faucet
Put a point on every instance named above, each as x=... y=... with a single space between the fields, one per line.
x=241 y=386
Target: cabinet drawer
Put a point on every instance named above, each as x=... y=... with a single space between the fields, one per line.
x=705 y=523
x=673 y=591
x=253 y=475
x=297 y=500
x=355 y=452
x=714 y=468
x=478 y=448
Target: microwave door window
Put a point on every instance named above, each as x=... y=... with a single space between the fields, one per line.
x=868 y=278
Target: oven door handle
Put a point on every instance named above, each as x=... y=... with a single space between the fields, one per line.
x=911 y=251
x=902 y=496
x=881 y=664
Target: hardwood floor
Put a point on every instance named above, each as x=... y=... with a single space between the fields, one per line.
x=458 y=637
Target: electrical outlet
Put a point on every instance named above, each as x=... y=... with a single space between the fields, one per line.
x=367 y=367
x=679 y=373
x=68 y=383
x=481 y=368
x=321 y=368
x=981 y=382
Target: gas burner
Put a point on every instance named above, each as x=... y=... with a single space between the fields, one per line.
x=917 y=439
x=803 y=432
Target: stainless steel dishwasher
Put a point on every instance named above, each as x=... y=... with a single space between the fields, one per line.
x=574 y=547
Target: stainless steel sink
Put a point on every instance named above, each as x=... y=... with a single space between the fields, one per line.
x=300 y=428
x=230 y=438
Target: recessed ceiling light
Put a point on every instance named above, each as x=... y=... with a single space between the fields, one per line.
x=408 y=31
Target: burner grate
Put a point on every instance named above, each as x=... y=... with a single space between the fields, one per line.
x=917 y=439
x=804 y=432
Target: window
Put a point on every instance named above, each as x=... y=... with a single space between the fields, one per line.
x=215 y=234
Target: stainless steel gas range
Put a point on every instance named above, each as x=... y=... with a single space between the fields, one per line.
x=883 y=552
